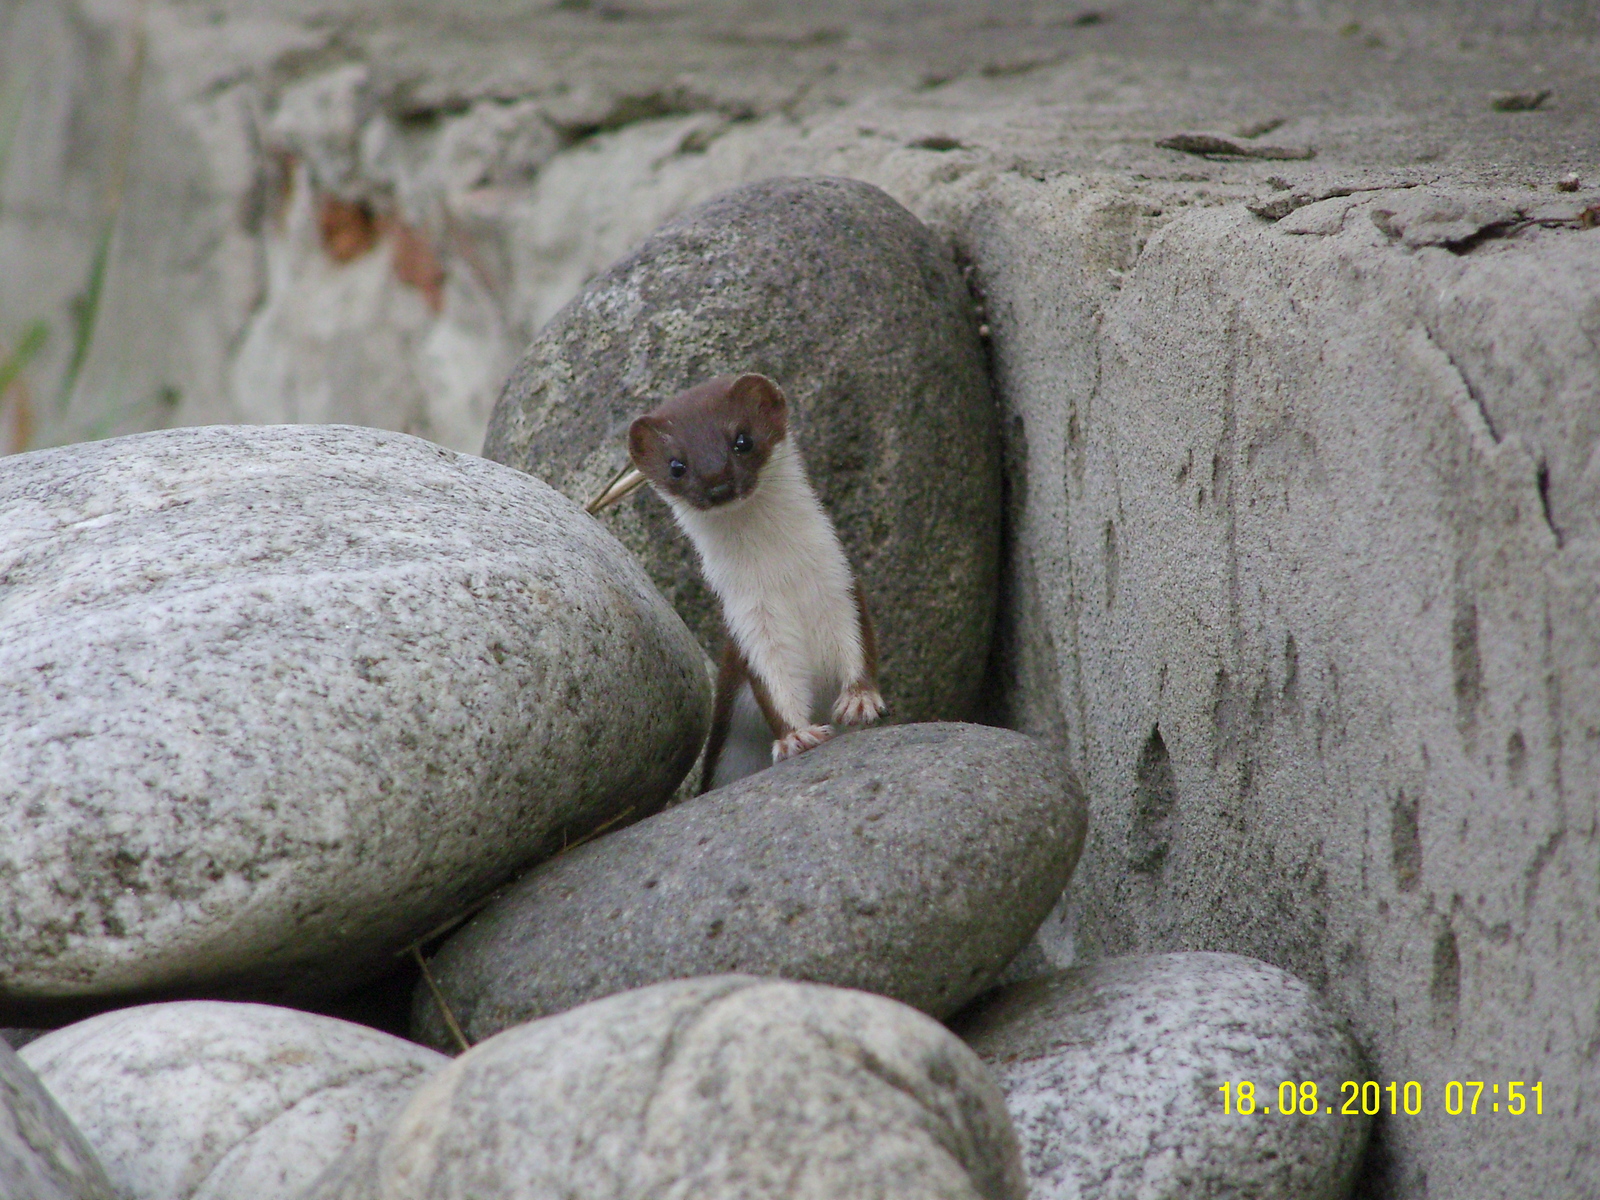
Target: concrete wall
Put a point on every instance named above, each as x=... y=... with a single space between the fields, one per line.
x=1305 y=570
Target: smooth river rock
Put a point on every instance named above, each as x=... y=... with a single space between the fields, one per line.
x=724 y=1088
x=857 y=310
x=204 y=1100
x=913 y=861
x=275 y=701
x=1111 y=1073
x=43 y=1156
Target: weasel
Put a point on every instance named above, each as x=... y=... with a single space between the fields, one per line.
x=798 y=632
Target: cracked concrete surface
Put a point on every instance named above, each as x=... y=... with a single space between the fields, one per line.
x=363 y=211
x=1327 y=665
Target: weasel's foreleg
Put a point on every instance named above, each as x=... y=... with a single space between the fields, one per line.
x=789 y=716
x=860 y=702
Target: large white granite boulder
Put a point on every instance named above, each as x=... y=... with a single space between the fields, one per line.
x=274 y=701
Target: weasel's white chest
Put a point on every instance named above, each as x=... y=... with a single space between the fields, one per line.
x=785 y=585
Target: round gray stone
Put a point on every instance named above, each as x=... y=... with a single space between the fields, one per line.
x=43 y=1156
x=719 y=1088
x=275 y=701
x=913 y=861
x=1111 y=1073
x=202 y=1100
x=856 y=309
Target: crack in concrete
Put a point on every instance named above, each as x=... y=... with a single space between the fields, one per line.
x=1541 y=859
x=626 y=110
x=1482 y=407
x=1490 y=232
x=1544 y=502
x=1279 y=207
x=1472 y=393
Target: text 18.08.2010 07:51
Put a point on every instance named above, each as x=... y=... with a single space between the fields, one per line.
x=1369 y=1098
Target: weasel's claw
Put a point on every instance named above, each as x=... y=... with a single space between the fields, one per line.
x=858 y=705
x=800 y=741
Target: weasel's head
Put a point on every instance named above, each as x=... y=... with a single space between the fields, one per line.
x=706 y=446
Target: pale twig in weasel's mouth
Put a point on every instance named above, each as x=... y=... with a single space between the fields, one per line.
x=626 y=482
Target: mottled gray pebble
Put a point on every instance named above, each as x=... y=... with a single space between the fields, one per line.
x=913 y=861
x=1112 y=1072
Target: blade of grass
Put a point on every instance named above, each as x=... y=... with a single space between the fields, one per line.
x=88 y=306
x=415 y=948
x=86 y=310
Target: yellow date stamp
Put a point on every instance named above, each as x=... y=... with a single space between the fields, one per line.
x=1461 y=1097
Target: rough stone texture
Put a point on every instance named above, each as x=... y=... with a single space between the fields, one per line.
x=1306 y=576
x=912 y=861
x=493 y=157
x=1111 y=1075
x=202 y=1100
x=275 y=701
x=857 y=311
x=43 y=1156
x=215 y=134
x=719 y=1088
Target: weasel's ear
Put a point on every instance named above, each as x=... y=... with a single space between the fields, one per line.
x=646 y=447
x=766 y=401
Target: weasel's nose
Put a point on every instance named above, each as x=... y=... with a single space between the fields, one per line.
x=719 y=491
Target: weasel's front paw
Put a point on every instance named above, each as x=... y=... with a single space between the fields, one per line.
x=858 y=704
x=800 y=741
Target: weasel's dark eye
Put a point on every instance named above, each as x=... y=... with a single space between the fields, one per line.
x=676 y=468
x=743 y=444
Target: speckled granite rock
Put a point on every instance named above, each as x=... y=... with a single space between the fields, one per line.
x=202 y=1100
x=274 y=701
x=716 y=1088
x=43 y=1156
x=1111 y=1074
x=855 y=308
x=913 y=861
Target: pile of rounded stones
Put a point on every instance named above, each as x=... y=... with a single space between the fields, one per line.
x=280 y=704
